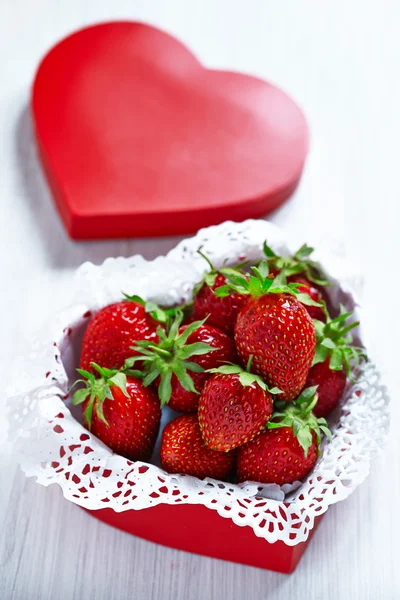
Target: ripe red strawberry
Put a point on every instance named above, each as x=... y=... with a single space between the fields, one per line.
x=275 y=328
x=120 y=411
x=333 y=361
x=279 y=455
x=330 y=384
x=234 y=407
x=112 y=331
x=278 y=331
x=167 y=362
x=275 y=456
x=221 y=312
x=184 y=451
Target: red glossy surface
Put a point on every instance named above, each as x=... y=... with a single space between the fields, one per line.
x=330 y=384
x=137 y=138
x=112 y=332
x=197 y=529
x=183 y=451
x=277 y=331
x=130 y=422
x=275 y=456
x=230 y=413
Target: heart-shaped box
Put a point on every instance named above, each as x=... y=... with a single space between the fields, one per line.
x=261 y=525
x=137 y=138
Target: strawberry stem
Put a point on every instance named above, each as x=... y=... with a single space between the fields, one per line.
x=213 y=269
x=249 y=362
x=160 y=351
x=312 y=404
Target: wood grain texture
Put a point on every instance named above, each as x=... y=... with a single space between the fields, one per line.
x=340 y=61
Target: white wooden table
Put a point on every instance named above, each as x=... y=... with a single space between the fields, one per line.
x=340 y=60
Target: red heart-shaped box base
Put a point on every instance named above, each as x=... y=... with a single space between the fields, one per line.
x=137 y=138
x=196 y=528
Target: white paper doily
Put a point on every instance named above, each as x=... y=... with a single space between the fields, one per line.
x=54 y=447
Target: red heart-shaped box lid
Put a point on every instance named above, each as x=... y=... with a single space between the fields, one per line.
x=137 y=138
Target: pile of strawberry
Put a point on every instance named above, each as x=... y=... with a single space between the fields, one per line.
x=255 y=363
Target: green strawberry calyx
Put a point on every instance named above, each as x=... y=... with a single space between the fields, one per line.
x=170 y=357
x=299 y=416
x=162 y=315
x=260 y=282
x=300 y=262
x=210 y=277
x=98 y=388
x=246 y=378
x=334 y=341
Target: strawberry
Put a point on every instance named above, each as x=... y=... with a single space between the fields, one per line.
x=120 y=411
x=288 y=449
x=330 y=384
x=333 y=360
x=275 y=456
x=113 y=330
x=234 y=407
x=221 y=312
x=275 y=328
x=167 y=362
x=184 y=451
x=279 y=332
